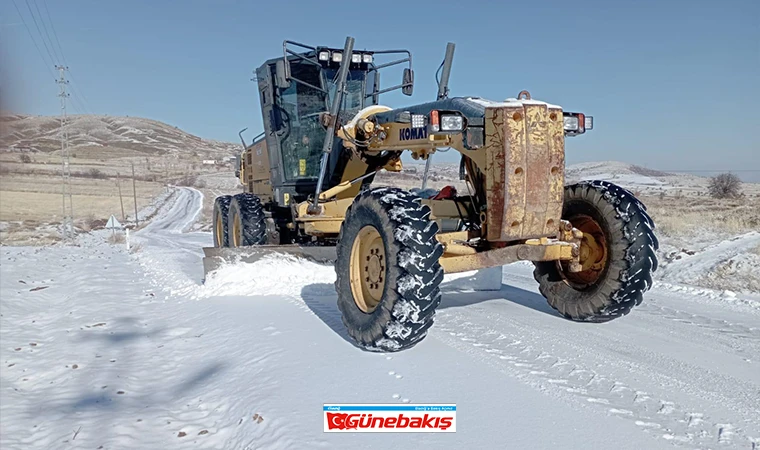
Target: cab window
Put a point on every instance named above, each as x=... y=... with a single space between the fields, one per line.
x=302 y=144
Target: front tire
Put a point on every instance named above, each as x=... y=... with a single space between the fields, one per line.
x=388 y=274
x=618 y=255
x=246 y=220
x=220 y=230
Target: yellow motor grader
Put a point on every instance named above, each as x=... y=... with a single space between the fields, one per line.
x=307 y=190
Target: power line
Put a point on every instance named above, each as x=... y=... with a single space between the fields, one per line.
x=76 y=91
x=55 y=35
x=79 y=94
x=40 y=32
x=39 y=52
x=44 y=27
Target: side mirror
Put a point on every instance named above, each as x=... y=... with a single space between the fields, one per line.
x=408 y=82
x=282 y=74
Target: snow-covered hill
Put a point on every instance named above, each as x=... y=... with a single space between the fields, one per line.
x=134 y=134
x=641 y=179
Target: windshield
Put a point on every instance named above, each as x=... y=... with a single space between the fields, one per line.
x=301 y=146
x=353 y=99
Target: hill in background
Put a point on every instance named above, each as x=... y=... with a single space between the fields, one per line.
x=91 y=135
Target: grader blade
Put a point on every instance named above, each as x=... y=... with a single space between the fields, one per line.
x=216 y=257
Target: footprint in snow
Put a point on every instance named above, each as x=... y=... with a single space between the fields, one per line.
x=174 y=332
x=666 y=408
x=643 y=424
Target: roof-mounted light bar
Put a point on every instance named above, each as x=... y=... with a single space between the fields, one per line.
x=335 y=56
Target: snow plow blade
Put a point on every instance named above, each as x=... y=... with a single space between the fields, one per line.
x=215 y=257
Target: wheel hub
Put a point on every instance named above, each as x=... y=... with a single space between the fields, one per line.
x=374 y=268
x=368 y=268
x=593 y=253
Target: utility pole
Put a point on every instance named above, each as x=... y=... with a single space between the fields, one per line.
x=121 y=200
x=134 y=194
x=68 y=212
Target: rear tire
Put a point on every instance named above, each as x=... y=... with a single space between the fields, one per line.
x=246 y=220
x=219 y=221
x=388 y=274
x=624 y=268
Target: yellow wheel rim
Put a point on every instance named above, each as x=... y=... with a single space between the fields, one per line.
x=235 y=231
x=593 y=252
x=368 y=269
x=219 y=231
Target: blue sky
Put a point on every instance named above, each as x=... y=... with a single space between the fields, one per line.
x=672 y=84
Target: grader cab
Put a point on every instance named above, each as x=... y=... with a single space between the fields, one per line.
x=307 y=190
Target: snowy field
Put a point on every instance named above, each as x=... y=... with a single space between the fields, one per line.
x=103 y=348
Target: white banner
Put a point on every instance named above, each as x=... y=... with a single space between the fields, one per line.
x=389 y=418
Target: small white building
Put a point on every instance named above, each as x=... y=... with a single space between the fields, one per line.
x=209 y=162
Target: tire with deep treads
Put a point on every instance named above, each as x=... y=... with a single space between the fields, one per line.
x=246 y=215
x=632 y=259
x=220 y=230
x=412 y=273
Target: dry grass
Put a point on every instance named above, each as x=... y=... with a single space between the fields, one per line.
x=678 y=217
x=39 y=199
x=116 y=238
x=28 y=233
x=730 y=275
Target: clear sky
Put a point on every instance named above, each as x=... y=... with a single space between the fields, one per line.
x=672 y=84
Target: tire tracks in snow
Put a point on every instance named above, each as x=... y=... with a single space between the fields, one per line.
x=180 y=214
x=520 y=352
x=740 y=339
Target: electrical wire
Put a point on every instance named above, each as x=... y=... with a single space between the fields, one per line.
x=79 y=101
x=38 y=31
x=28 y=30
x=44 y=27
x=55 y=35
x=437 y=74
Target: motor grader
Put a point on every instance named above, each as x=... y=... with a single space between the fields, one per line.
x=307 y=190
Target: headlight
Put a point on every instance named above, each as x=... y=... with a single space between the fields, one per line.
x=418 y=120
x=324 y=56
x=589 y=123
x=366 y=59
x=356 y=58
x=452 y=122
x=337 y=57
x=571 y=123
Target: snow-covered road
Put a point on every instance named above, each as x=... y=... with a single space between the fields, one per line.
x=125 y=350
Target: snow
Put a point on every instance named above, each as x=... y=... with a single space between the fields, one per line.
x=510 y=103
x=626 y=179
x=130 y=350
x=727 y=259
